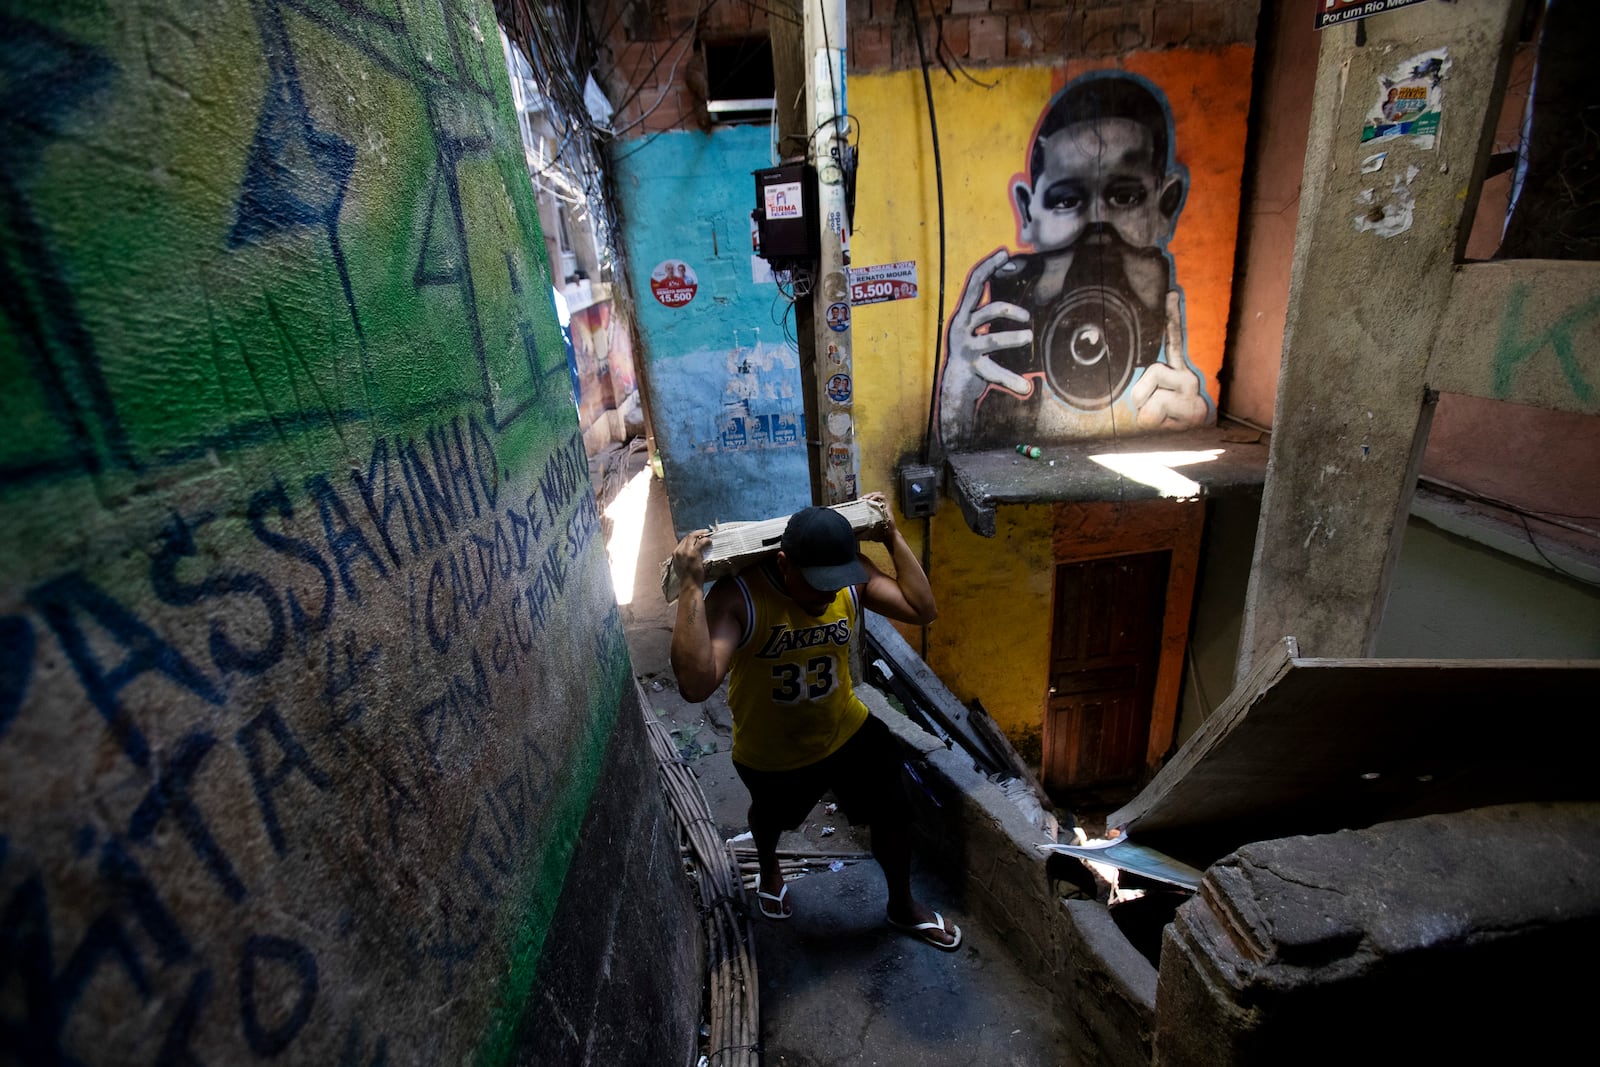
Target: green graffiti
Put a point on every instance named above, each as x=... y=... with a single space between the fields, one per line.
x=1510 y=351
x=237 y=225
x=296 y=504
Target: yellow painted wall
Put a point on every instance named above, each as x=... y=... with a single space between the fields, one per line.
x=992 y=638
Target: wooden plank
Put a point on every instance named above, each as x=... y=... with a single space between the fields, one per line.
x=975 y=731
x=1310 y=746
x=1210 y=735
x=736 y=545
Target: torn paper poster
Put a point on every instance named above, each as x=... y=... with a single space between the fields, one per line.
x=1410 y=101
x=1391 y=215
x=1373 y=162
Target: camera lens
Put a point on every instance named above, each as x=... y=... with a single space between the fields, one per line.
x=1090 y=346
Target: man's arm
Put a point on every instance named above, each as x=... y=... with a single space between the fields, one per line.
x=906 y=597
x=707 y=628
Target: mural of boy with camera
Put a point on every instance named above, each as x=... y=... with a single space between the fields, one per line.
x=1084 y=334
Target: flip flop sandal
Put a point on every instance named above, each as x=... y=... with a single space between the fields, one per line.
x=924 y=931
x=777 y=912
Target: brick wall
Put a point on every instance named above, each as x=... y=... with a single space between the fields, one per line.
x=648 y=64
x=653 y=73
x=1011 y=32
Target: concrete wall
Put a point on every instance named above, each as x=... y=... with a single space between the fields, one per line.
x=724 y=382
x=1456 y=599
x=1280 y=119
x=1218 y=608
x=317 y=735
x=1530 y=464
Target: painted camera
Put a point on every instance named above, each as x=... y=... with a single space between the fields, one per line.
x=1094 y=328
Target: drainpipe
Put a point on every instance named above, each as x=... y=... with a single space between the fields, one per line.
x=831 y=379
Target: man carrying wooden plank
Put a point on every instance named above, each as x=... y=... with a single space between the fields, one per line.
x=782 y=628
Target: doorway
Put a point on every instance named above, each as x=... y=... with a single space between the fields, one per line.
x=1105 y=653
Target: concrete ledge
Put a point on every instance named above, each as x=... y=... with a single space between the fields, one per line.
x=1467 y=933
x=985 y=848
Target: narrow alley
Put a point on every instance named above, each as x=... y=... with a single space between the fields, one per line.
x=1156 y=441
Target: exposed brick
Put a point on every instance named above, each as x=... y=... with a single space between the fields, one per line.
x=1035 y=5
x=904 y=44
x=760 y=23
x=879 y=11
x=1113 y=31
x=957 y=30
x=687 y=9
x=869 y=48
x=632 y=60
x=1208 y=24
x=1038 y=34
x=987 y=38
x=726 y=18
x=969 y=7
x=1007 y=6
x=1171 y=25
x=902 y=47
x=1239 y=22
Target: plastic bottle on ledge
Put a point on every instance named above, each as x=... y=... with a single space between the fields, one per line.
x=1031 y=451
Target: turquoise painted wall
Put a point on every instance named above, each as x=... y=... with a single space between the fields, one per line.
x=311 y=673
x=724 y=383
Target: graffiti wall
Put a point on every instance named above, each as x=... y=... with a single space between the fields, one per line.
x=1090 y=217
x=1090 y=235
x=723 y=374
x=311 y=677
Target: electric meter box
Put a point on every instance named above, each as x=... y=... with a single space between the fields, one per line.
x=786 y=214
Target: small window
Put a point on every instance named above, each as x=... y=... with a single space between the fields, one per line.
x=739 y=80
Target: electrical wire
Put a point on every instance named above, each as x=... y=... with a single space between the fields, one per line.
x=938 y=178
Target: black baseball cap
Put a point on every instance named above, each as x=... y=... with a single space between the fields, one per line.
x=820 y=542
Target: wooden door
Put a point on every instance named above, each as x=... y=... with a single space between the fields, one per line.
x=1104 y=651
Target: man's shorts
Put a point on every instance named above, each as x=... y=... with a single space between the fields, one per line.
x=864 y=774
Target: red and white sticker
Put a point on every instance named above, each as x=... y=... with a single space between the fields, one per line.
x=673 y=282
x=783 y=201
x=887 y=281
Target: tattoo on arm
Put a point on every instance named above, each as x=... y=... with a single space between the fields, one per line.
x=694 y=611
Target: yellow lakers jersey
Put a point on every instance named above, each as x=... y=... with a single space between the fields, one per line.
x=789 y=683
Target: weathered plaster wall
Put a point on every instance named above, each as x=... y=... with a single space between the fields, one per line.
x=1455 y=599
x=311 y=677
x=992 y=640
x=724 y=382
x=1218 y=608
x=1280 y=120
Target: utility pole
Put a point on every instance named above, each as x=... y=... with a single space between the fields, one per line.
x=831 y=379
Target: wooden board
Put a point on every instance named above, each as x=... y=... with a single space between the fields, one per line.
x=736 y=545
x=1307 y=746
